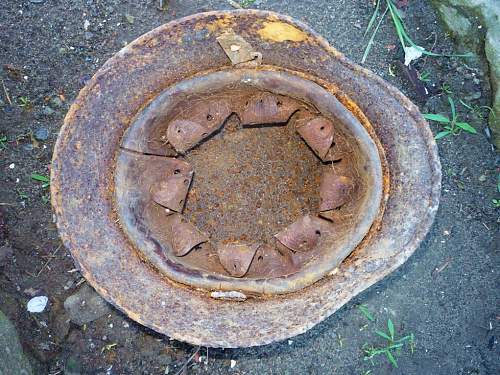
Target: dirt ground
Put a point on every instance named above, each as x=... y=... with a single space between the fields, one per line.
x=446 y=294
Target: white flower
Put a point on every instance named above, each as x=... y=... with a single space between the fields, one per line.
x=412 y=53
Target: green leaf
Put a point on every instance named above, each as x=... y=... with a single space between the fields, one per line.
x=383 y=334
x=364 y=310
x=453 y=109
x=391 y=358
x=465 y=126
x=390 y=327
x=442 y=134
x=39 y=177
x=436 y=117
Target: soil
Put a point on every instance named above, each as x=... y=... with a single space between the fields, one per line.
x=446 y=294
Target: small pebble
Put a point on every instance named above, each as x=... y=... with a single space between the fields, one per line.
x=41 y=134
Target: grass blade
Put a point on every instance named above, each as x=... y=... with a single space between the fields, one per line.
x=390 y=327
x=383 y=334
x=436 y=117
x=39 y=177
x=397 y=22
x=391 y=358
x=442 y=134
x=466 y=105
x=373 y=18
x=364 y=310
x=453 y=109
x=467 y=127
x=372 y=38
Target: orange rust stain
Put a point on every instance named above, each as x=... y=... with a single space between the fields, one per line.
x=278 y=31
x=219 y=24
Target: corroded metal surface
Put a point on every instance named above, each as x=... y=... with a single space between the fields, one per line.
x=198 y=120
x=215 y=196
x=303 y=235
x=90 y=225
x=335 y=190
x=236 y=258
x=238 y=49
x=318 y=133
x=182 y=235
x=172 y=191
x=265 y=108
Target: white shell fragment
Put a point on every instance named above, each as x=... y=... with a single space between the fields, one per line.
x=232 y=295
x=37 y=304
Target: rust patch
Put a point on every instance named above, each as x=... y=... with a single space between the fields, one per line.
x=266 y=108
x=278 y=31
x=171 y=193
x=205 y=118
x=236 y=258
x=318 y=134
x=335 y=190
x=221 y=23
x=303 y=235
x=183 y=235
x=238 y=49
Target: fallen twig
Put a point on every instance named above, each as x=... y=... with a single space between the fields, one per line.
x=6 y=93
x=52 y=256
x=188 y=361
x=441 y=268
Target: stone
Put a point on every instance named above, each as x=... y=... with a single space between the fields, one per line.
x=12 y=358
x=85 y=306
x=41 y=134
x=475 y=25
